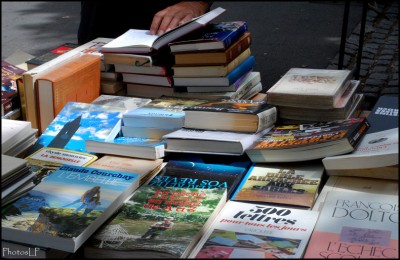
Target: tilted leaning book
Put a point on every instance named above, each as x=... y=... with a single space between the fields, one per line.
x=157 y=222
x=251 y=230
x=357 y=225
x=67 y=207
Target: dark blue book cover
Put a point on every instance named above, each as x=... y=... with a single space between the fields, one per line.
x=192 y=174
x=384 y=115
x=241 y=69
x=224 y=34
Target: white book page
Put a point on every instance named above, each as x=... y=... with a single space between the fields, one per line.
x=133 y=37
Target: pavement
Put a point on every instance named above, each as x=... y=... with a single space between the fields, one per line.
x=286 y=34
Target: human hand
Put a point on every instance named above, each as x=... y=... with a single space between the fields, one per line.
x=177 y=14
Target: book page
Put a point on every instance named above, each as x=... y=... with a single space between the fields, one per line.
x=133 y=37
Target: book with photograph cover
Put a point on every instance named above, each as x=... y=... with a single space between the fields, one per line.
x=67 y=207
x=252 y=230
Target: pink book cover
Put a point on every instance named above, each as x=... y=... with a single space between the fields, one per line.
x=356 y=225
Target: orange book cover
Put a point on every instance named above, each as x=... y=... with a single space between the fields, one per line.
x=77 y=80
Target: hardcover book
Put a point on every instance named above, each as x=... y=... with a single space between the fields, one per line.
x=144 y=148
x=294 y=184
x=233 y=76
x=164 y=112
x=78 y=80
x=231 y=115
x=211 y=141
x=215 y=36
x=67 y=207
x=210 y=71
x=351 y=220
x=144 y=167
x=290 y=143
x=214 y=57
x=157 y=222
x=142 y=42
x=192 y=174
x=309 y=88
x=78 y=122
x=27 y=90
x=251 y=230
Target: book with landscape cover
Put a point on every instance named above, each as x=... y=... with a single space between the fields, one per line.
x=233 y=76
x=214 y=57
x=164 y=112
x=377 y=155
x=210 y=70
x=121 y=101
x=292 y=184
x=78 y=122
x=290 y=143
x=192 y=174
x=348 y=183
x=157 y=222
x=355 y=224
x=142 y=42
x=309 y=88
x=252 y=230
x=78 y=80
x=67 y=207
x=144 y=167
x=45 y=57
x=215 y=36
x=187 y=140
x=27 y=90
x=231 y=115
x=144 y=148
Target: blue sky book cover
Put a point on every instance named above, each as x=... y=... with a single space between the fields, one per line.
x=78 y=122
x=66 y=203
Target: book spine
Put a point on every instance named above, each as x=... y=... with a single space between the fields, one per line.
x=267 y=118
x=246 y=66
x=356 y=136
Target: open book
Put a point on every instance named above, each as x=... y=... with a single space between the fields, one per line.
x=141 y=41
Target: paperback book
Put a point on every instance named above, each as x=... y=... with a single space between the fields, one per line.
x=157 y=222
x=128 y=103
x=290 y=143
x=294 y=184
x=67 y=207
x=358 y=225
x=251 y=230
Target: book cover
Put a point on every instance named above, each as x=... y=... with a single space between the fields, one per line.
x=356 y=225
x=78 y=122
x=47 y=159
x=231 y=115
x=211 y=141
x=45 y=57
x=384 y=115
x=215 y=36
x=142 y=42
x=165 y=112
x=156 y=220
x=27 y=90
x=121 y=101
x=295 y=184
x=247 y=230
x=144 y=167
x=209 y=70
x=77 y=80
x=214 y=57
x=192 y=174
x=144 y=148
x=233 y=76
x=309 y=88
x=9 y=75
x=308 y=141
x=67 y=207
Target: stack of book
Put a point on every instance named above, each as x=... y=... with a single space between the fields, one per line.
x=16 y=137
x=227 y=127
x=216 y=62
x=316 y=95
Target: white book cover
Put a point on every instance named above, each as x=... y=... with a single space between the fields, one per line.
x=247 y=230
